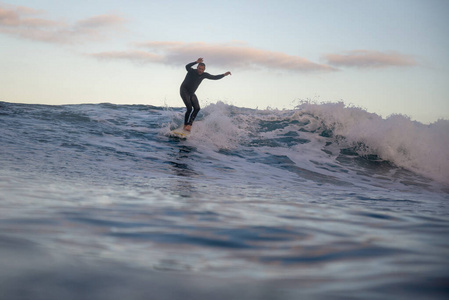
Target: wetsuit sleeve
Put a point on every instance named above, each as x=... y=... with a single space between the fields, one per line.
x=213 y=77
x=190 y=65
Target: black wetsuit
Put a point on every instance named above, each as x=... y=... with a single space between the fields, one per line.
x=188 y=89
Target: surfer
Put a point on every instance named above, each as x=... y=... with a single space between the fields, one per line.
x=188 y=88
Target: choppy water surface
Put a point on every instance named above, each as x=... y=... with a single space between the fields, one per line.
x=322 y=202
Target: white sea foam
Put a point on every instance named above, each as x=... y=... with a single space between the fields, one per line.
x=409 y=144
x=218 y=128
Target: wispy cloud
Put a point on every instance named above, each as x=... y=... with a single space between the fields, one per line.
x=229 y=55
x=369 y=59
x=134 y=55
x=101 y=21
x=29 y=23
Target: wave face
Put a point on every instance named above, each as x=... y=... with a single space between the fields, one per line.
x=294 y=200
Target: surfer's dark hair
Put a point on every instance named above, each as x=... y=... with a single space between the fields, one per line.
x=202 y=64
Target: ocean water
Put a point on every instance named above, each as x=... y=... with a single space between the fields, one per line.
x=324 y=201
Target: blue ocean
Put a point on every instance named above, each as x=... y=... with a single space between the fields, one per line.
x=324 y=201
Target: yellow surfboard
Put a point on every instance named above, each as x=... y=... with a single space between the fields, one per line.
x=180 y=133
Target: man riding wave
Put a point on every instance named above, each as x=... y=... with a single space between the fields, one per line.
x=193 y=79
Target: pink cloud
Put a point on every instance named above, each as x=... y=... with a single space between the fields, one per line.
x=15 y=16
x=230 y=55
x=136 y=56
x=25 y=22
x=369 y=59
x=101 y=21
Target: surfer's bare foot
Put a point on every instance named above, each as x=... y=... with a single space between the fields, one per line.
x=187 y=127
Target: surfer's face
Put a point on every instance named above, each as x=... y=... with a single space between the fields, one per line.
x=201 y=69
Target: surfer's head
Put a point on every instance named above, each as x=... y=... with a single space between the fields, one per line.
x=201 y=67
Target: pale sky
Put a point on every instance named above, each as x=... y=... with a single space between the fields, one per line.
x=388 y=57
